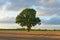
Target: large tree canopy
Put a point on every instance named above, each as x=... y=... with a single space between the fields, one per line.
x=28 y=18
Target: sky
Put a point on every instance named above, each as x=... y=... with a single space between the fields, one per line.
x=47 y=10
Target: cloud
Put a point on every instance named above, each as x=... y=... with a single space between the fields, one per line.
x=48 y=7
x=49 y=12
x=7 y=20
x=2 y=2
x=46 y=2
x=45 y=8
x=52 y=20
x=50 y=3
x=19 y=4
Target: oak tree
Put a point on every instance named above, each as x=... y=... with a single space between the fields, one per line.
x=28 y=18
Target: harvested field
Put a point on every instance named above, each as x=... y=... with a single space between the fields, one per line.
x=43 y=35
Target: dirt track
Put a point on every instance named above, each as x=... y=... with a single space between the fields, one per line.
x=29 y=35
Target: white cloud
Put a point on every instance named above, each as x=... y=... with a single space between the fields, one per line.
x=6 y=5
x=49 y=3
x=46 y=8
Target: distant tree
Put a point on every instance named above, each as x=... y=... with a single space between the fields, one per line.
x=28 y=18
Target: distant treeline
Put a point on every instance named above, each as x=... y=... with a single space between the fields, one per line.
x=23 y=29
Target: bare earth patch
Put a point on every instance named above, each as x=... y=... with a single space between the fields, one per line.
x=43 y=35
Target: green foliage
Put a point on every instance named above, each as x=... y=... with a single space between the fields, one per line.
x=28 y=18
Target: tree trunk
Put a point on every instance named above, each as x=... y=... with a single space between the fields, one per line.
x=28 y=28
